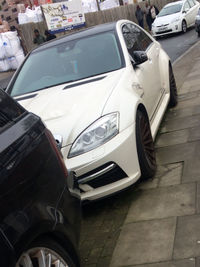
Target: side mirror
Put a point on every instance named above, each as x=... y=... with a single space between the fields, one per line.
x=139 y=57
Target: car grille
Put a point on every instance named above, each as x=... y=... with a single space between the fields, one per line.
x=164 y=25
x=164 y=31
x=113 y=174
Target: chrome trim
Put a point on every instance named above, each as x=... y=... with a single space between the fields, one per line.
x=97 y=174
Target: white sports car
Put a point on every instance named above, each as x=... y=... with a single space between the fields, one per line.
x=102 y=92
x=175 y=17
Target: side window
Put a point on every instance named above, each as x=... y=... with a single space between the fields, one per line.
x=191 y=3
x=135 y=38
x=186 y=6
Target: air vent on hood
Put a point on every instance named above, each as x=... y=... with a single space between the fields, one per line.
x=84 y=82
x=25 y=97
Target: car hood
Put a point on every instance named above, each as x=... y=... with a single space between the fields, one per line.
x=68 y=109
x=166 y=19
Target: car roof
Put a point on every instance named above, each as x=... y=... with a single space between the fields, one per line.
x=175 y=3
x=111 y=26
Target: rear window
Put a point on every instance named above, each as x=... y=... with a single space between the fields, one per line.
x=10 y=110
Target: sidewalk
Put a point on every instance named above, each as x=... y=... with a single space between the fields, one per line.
x=162 y=227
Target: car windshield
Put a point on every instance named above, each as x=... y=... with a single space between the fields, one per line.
x=168 y=10
x=67 y=62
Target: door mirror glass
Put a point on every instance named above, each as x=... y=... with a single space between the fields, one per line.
x=139 y=57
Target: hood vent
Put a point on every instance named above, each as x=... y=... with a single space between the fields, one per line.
x=84 y=82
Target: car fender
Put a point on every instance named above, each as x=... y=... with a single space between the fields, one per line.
x=164 y=61
x=125 y=98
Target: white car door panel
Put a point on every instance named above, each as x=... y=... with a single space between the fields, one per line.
x=149 y=85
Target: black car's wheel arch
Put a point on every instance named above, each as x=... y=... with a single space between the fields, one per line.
x=59 y=238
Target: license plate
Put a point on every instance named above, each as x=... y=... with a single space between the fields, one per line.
x=162 y=29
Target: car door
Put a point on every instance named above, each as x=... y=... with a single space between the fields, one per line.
x=188 y=13
x=194 y=6
x=148 y=73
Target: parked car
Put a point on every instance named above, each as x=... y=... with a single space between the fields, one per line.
x=175 y=17
x=197 y=23
x=39 y=224
x=103 y=92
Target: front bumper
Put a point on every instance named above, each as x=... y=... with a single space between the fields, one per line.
x=168 y=29
x=106 y=169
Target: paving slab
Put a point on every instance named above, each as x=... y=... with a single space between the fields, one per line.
x=181 y=123
x=172 y=176
x=191 y=170
x=188 y=103
x=176 y=153
x=172 y=138
x=145 y=242
x=181 y=113
x=162 y=203
x=187 y=240
x=181 y=263
x=198 y=198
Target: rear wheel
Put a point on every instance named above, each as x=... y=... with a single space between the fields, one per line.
x=145 y=146
x=45 y=253
x=173 y=89
x=184 y=26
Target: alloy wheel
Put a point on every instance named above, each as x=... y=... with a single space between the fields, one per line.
x=41 y=257
x=147 y=142
x=184 y=26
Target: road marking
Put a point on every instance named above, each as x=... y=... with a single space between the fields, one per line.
x=186 y=52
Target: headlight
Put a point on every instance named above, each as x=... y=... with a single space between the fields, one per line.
x=96 y=134
x=175 y=20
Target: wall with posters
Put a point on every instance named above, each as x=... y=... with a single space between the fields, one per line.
x=64 y=15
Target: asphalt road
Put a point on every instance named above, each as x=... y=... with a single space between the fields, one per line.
x=176 y=45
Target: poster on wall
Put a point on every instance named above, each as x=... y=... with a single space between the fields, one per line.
x=64 y=16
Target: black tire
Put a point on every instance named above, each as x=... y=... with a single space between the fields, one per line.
x=198 y=34
x=184 y=26
x=53 y=246
x=173 y=89
x=145 y=146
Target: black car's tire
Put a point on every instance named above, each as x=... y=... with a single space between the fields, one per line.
x=198 y=34
x=173 y=89
x=47 y=246
x=145 y=146
x=184 y=26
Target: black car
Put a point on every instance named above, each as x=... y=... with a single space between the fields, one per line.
x=197 y=23
x=39 y=218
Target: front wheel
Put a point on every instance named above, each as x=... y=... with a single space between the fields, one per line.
x=173 y=89
x=184 y=26
x=44 y=253
x=145 y=146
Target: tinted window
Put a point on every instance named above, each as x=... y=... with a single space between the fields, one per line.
x=191 y=3
x=168 y=10
x=135 y=38
x=186 y=6
x=70 y=61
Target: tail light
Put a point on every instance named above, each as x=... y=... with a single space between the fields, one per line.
x=53 y=144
